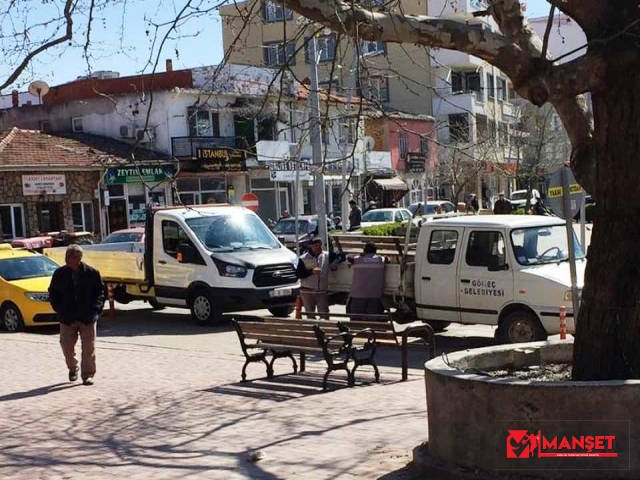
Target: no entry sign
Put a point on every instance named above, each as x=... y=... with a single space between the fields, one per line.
x=250 y=201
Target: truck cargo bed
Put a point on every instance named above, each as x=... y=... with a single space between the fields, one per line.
x=120 y=267
x=395 y=284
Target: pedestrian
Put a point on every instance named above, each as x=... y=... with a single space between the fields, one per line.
x=474 y=204
x=76 y=294
x=313 y=271
x=367 y=286
x=502 y=206
x=355 y=216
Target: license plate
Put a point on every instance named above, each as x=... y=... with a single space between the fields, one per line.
x=286 y=292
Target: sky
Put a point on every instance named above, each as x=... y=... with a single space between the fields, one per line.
x=197 y=43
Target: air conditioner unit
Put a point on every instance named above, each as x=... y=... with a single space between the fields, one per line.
x=145 y=135
x=126 y=131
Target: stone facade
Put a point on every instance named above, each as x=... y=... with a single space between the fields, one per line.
x=81 y=186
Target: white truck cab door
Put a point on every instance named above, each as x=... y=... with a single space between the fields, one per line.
x=436 y=276
x=485 y=280
x=174 y=268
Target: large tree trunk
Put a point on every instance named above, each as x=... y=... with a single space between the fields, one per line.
x=607 y=343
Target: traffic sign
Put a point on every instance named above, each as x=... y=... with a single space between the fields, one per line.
x=556 y=190
x=250 y=201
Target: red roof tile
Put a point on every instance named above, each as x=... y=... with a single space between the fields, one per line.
x=30 y=148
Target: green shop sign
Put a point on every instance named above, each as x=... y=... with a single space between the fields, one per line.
x=121 y=175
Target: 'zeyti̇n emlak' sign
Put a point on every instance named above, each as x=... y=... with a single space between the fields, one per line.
x=120 y=175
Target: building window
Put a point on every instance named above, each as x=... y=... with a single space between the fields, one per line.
x=402 y=145
x=82 y=213
x=424 y=145
x=274 y=12
x=11 y=221
x=194 y=191
x=376 y=89
x=490 y=86
x=459 y=127
x=279 y=53
x=76 y=124
x=326 y=46
x=372 y=48
x=348 y=130
x=203 y=123
x=503 y=94
x=467 y=82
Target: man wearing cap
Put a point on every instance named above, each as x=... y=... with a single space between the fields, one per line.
x=367 y=287
x=502 y=206
x=313 y=271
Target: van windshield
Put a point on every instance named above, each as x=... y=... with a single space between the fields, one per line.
x=230 y=232
x=540 y=245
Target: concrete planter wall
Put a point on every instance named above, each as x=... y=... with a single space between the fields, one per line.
x=469 y=414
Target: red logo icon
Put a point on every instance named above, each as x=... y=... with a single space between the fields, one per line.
x=522 y=444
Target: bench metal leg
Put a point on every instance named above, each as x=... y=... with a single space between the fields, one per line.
x=368 y=361
x=253 y=359
x=426 y=333
x=350 y=377
x=276 y=355
x=303 y=362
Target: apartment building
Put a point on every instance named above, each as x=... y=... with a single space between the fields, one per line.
x=393 y=77
x=473 y=105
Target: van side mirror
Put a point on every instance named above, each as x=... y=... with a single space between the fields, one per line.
x=186 y=253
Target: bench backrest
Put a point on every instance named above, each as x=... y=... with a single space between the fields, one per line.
x=292 y=333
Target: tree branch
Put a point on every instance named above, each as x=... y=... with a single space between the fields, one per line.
x=587 y=13
x=578 y=123
x=584 y=74
x=395 y=27
x=68 y=8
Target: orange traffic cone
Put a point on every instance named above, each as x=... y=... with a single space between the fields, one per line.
x=112 y=306
x=299 y=308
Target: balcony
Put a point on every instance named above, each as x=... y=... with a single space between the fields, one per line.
x=471 y=102
x=184 y=148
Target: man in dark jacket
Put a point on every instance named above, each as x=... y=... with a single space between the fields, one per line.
x=355 y=217
x=76 y=294
x=502 y=206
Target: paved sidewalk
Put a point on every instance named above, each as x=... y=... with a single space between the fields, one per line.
x=167 y=404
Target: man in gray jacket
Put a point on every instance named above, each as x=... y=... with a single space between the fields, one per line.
x=313 y=272
x=367 y=287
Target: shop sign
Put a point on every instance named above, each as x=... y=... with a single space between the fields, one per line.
x=416 y=163
x=122 y=175
x=221 y=159
x=44 y=185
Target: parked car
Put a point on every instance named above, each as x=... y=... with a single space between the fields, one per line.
x=519 y=198
x=429 y=208
x=24 y=283
x=127 y=235
x=381 y=216
x=285 y=230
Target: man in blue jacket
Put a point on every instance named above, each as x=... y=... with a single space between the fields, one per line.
x=76 y=294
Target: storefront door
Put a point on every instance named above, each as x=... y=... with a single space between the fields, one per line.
x=50 y=217
x=118 y=214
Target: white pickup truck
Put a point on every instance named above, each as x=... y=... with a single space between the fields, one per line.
x=210 y=259
x=506 y=270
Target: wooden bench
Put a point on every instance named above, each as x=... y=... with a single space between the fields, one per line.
x=281 y=337
x=388 y=330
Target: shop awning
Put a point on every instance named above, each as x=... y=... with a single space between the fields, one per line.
x=391 y=184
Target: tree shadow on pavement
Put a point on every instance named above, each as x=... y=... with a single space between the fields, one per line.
x=36 y=392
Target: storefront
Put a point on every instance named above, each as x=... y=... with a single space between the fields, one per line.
x=129 y=190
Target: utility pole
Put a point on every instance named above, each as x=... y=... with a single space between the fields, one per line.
x=345 y=183
x=316 y=145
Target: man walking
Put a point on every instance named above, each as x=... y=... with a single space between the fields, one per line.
x=502 y=206
x=367 y=287
x=76 y=294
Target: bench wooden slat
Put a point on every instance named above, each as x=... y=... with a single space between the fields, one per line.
x=290 y=341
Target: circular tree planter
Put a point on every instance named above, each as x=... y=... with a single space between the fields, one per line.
x=471 y=414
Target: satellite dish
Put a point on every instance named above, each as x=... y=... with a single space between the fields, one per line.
x=38 y=88
x=369 y=143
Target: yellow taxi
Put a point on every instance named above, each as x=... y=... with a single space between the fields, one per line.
x=24 y=285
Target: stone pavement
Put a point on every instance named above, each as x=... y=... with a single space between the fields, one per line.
x=167 y=404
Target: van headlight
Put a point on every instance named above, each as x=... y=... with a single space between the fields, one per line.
x=37 y=296
x=230 y=270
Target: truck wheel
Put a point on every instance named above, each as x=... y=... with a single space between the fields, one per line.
x=11 y=317
x=438 y=325
x=521 y=327
x=281 y=311
x=203 y=309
